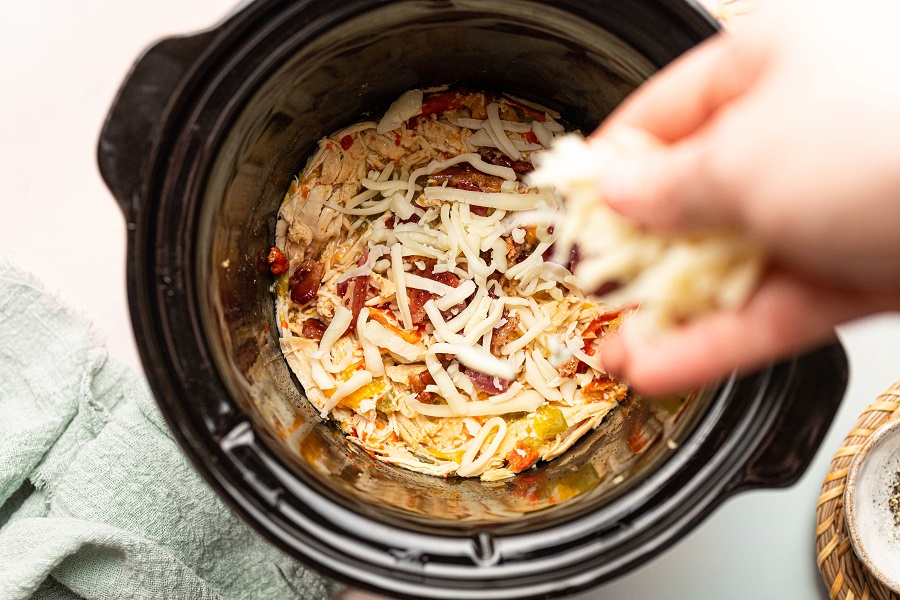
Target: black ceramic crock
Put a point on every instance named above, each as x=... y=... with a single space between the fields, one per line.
x=199 y=147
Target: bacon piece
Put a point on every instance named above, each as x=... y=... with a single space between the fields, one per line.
x=354 y=296
x=445 y=359
x=513 y=250
x=313 y=329
x=417 y=383
x=355 y=291
x=278 y=262
x=569 y=368
x=495 y=157
x=417 y=297
x=466 y=177
x=487 y=383
x=503 y=333
x=305 y=281
x=417 y=300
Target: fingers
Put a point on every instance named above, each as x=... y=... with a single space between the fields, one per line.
x=681 y=98
x=670 y=188
x=783 y=317
x=677 y=182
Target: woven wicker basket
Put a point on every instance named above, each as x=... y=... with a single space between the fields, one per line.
x=845 y=577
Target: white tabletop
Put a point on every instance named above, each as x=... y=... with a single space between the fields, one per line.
x=62 y=64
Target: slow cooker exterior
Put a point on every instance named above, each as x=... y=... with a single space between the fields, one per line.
x=158 y=154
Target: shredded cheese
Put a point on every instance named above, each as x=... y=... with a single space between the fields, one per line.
x=404 y=108
x=674 y=278
x=399 y=277
x=376 y=333
x=470 y=465
x=501 y=200
x=454 y=399
x=457 y=295
x=339 y=324
x=498 y=135
x=374 y=363
x=356 y=381
x=476 y=359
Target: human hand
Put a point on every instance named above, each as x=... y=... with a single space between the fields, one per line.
x=787 y=132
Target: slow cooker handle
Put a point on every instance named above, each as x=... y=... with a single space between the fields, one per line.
x=134 y=121
x=811 y=399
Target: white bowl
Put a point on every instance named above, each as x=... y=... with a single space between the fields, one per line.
x=873 y=532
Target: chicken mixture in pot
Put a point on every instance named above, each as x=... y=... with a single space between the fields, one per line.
x=420 y=301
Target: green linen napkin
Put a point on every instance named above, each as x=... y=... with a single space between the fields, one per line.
x=96 y=499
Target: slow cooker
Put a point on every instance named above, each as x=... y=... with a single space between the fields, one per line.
x=199 y=148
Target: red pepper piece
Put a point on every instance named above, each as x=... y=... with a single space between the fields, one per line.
x=278 y=262
x=441 y=102
x=524 y=454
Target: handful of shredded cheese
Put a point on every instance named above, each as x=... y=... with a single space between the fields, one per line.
x=673 y=278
